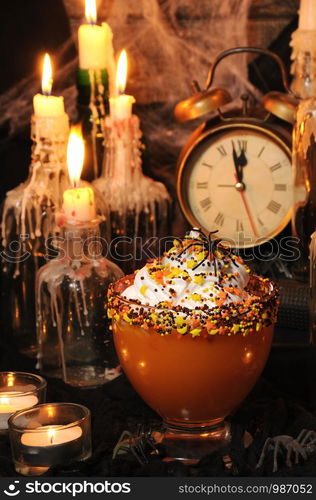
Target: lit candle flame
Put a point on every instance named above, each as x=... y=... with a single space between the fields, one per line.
x=51 y=435
x=47 y=76
x=75 y=155
x=121 y=73
x=91 y=11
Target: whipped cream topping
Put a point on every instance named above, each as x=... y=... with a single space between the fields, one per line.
x=192 y=274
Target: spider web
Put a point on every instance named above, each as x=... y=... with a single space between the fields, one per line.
x=169 y=43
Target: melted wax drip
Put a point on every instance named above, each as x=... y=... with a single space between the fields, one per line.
x=97 y=112
x=29 y=209
x=123 y=183
x=53 y=276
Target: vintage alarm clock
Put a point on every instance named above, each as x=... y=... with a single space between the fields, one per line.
x=234 y=174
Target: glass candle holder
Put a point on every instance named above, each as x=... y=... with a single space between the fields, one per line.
x=27 y=222
x=75 y=341
x=18 y=391
x=140 y=207
x=49 y=434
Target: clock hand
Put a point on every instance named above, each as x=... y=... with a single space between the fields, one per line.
x=240 y=186
x=243 y=197
x=237 y=164
x=226 y=185
x=242 y=159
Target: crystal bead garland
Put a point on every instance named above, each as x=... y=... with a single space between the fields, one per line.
x=75 y=341
x=139 y=206
x=28 y=222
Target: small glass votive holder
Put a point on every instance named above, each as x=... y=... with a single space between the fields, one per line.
x=48 y=435
x=18 y=391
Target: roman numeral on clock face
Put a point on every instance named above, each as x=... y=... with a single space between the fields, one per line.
x=242 y=145
x=222 y=150
x=261 y=151
x=280 y=187
x=202 y=185
x=206 y=204
x=219 y=219
x=260 y=221
x=207 y=164
x=275 y=167
x=274 y=206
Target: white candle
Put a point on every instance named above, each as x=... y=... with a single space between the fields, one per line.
x=51 y=435
x=12 y=401
x=95 y=42
x=121 y=105
x=307 y=15
x=46 y=105
x=78 y=202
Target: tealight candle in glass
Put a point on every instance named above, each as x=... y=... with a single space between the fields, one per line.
x=19 y=391
x=49 y=434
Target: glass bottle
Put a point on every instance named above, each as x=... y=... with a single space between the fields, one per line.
x=75 y=341
x=140 y=207
x=312 y=282
x=303 y=67
x=304 y=187
x=27 y=220
x=93 y=105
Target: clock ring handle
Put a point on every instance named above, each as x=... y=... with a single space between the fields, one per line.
x=256 y=50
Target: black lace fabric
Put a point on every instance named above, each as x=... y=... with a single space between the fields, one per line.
x=282 y=403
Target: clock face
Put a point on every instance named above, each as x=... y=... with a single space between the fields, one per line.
x=238 y=182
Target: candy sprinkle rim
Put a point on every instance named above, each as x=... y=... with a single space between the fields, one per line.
x=242 y=318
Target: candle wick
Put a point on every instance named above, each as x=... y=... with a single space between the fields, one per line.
x=91 y=21
x=51 y=439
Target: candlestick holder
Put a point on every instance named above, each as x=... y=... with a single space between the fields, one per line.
x=303 y=67
x=75 y=341
x=19 y=390
x=139 y=206
x=28 y=220
x=48 y=435
x=304 y=164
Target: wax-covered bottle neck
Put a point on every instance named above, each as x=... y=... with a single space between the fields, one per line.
x=81 y=242
x=304 y=63
x=49 y=149
x=50 y=137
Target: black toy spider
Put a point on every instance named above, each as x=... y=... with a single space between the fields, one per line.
x=210 y=247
